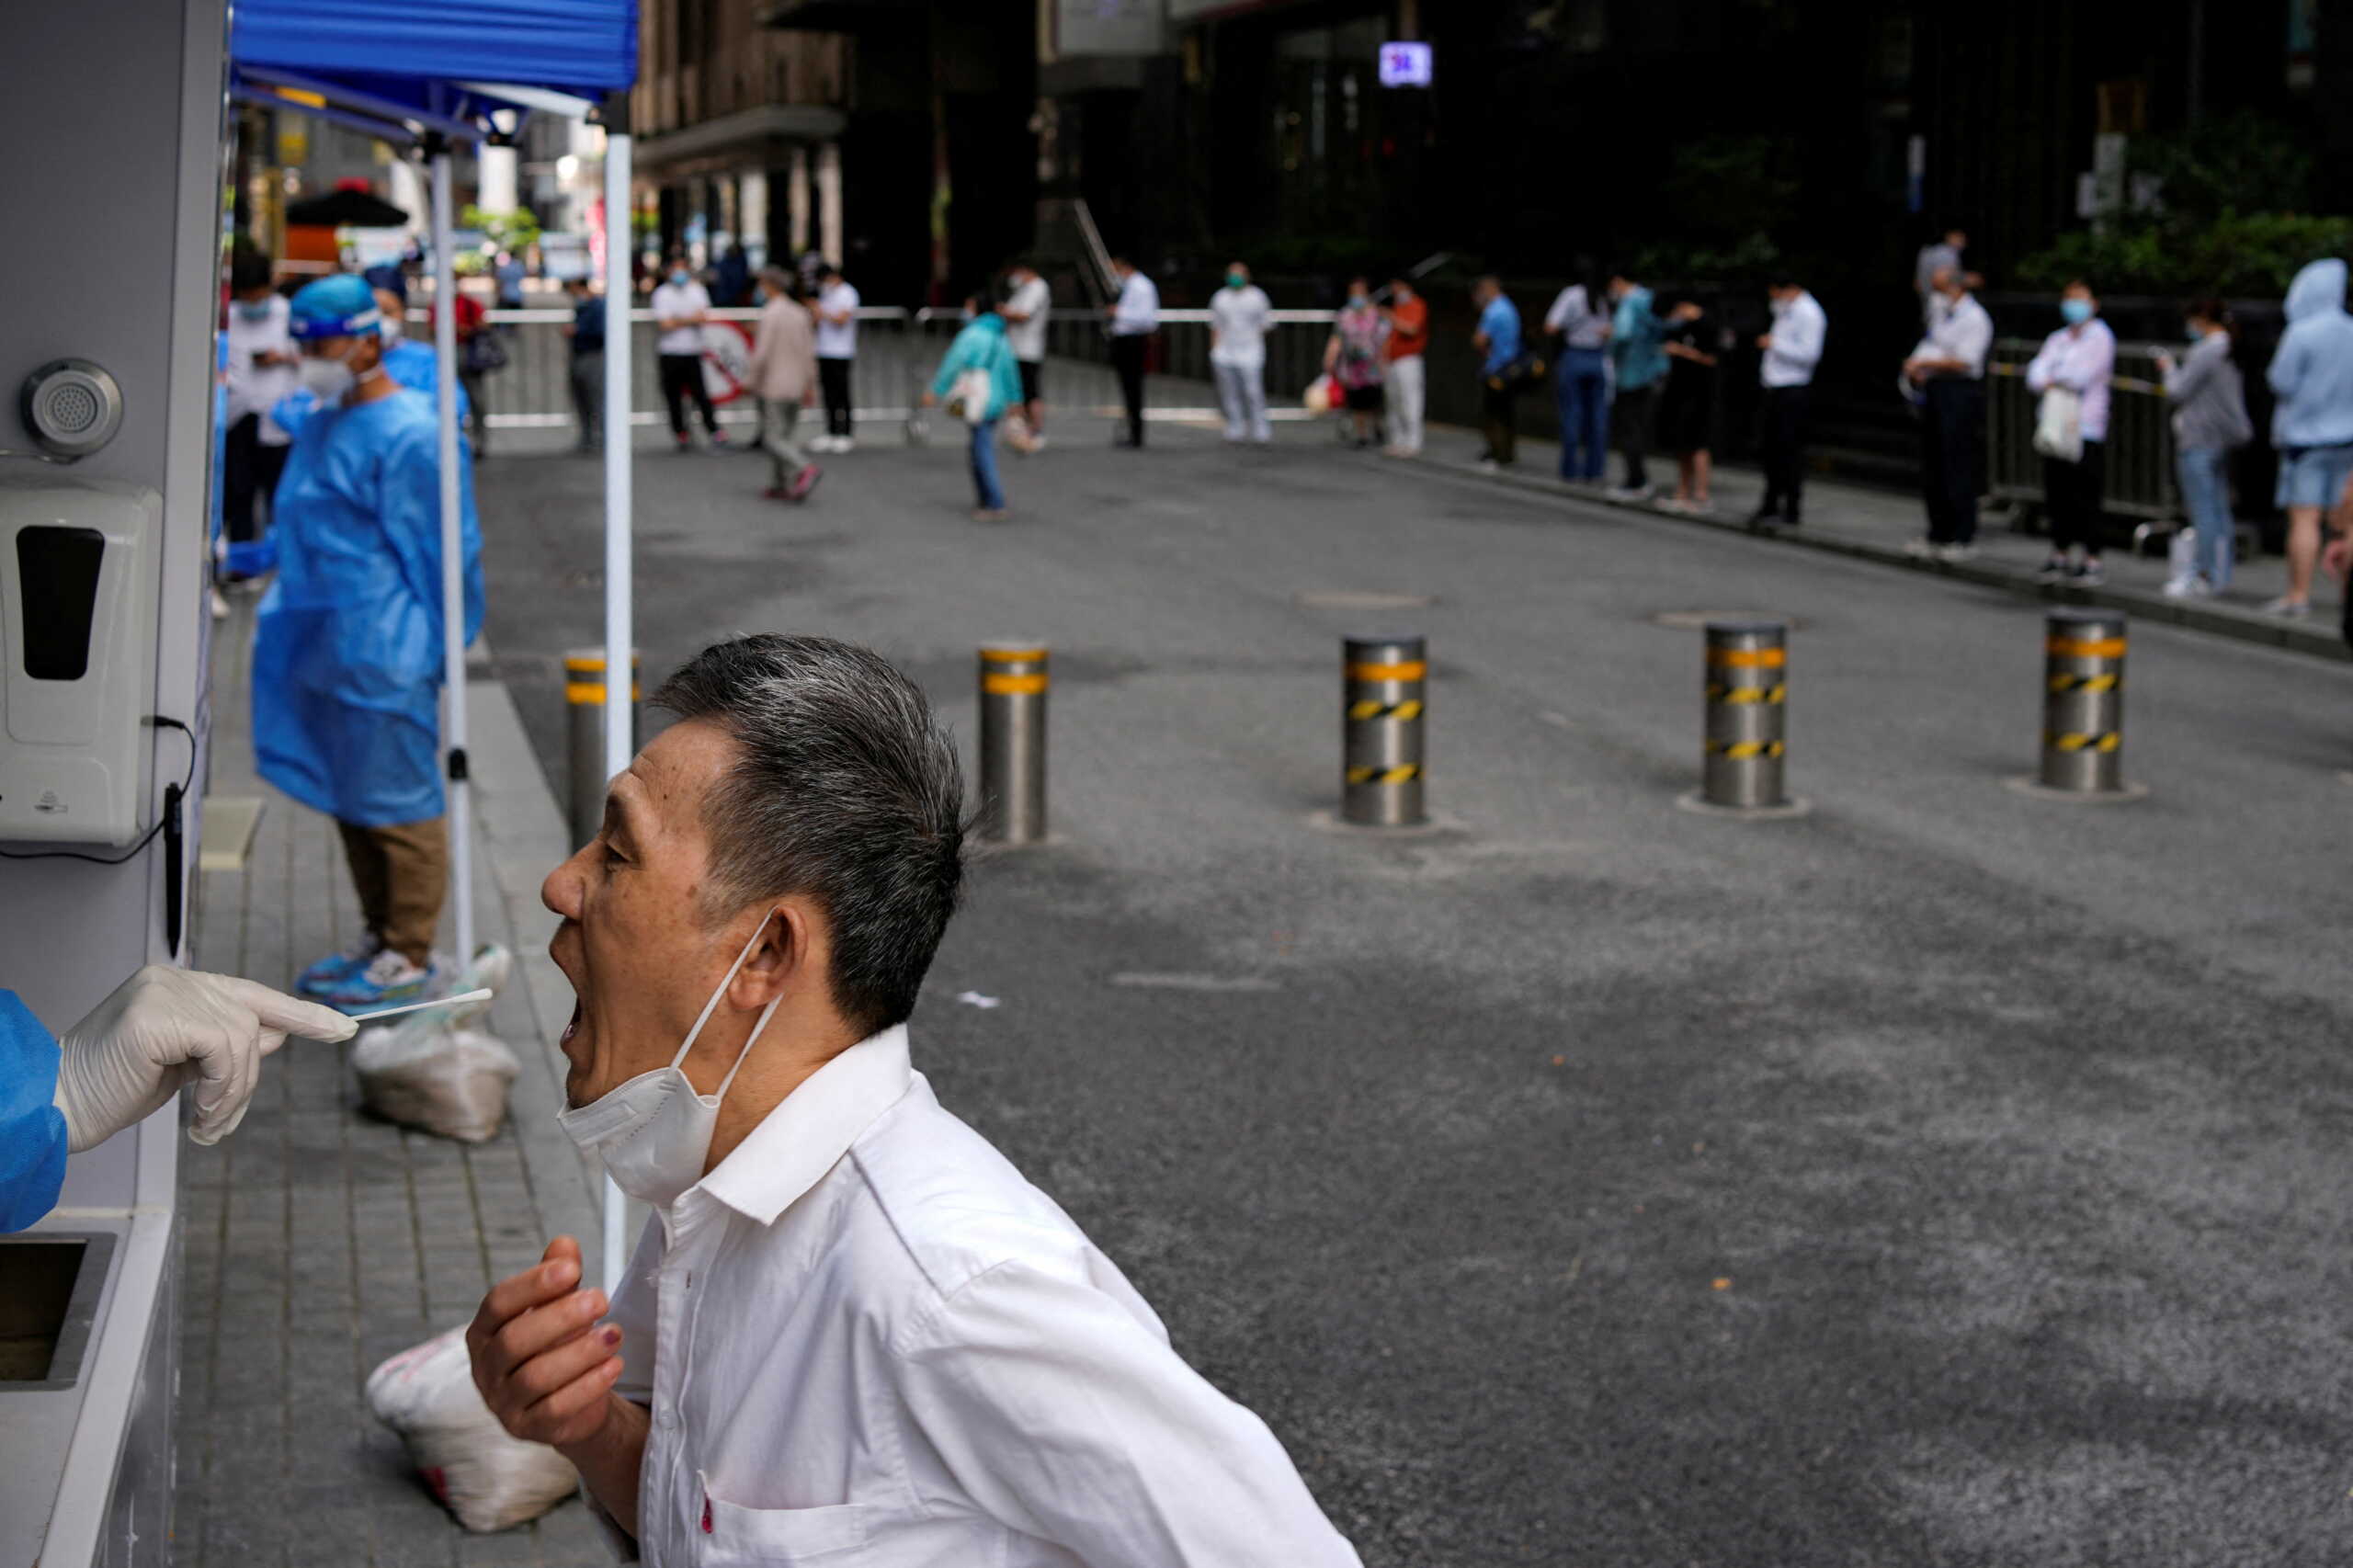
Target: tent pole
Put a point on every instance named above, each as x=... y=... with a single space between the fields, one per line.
x=453 y=554
x=620 y=741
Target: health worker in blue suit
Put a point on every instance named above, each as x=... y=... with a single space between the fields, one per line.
x=162 y=1028
x=347 y=643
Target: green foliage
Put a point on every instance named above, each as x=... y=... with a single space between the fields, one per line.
x=513 y=231
x=2229 y=218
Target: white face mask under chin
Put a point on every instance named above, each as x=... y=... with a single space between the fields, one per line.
x=654 y=1133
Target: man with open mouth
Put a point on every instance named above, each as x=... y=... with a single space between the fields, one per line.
x=852 y=1333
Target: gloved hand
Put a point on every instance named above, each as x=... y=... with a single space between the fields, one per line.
x=164 y=1027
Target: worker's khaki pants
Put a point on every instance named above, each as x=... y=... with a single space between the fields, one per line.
x=400 y=873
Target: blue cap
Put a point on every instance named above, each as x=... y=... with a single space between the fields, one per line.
x=388 y=276
x=340 y=306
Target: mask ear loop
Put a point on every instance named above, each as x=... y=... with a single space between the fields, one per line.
x=712 y=1006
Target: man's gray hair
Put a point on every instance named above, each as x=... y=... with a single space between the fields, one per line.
x=846 y=791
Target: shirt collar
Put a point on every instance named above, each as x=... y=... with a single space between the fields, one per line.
x=793 y=1147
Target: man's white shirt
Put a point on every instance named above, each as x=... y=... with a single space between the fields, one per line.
x=1796 y=349
x=673 y=301
x=1138 y=308
x=837 y=340
x=865 y=1334
x=1961 y=331
x=1027 y=338
x=255 y=389
x=1240 y=317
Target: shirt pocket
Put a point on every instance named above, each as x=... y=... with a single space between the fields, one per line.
x=730 y=1535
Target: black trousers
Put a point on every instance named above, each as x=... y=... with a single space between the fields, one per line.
x=681 y=379
x=833 y=385
x=2071 y=492
x=1633 y=417
x=1784 y=450
x=1127 y=358
x=1499 y=409
x=248 y=470
x=1952 y=435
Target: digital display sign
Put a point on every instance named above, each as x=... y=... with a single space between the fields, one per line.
x=1405 y=65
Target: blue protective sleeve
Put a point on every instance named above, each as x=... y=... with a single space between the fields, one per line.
x=32 y=1130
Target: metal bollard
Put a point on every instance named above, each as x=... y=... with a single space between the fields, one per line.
x=583 y=696
x=2083 y=702
x=1014 y=683
x=1747 y=692
x=1382 y=681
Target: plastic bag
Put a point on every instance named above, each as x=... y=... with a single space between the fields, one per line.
x=1323 y=395
x=437 y=1070
x=2059 y=425
x=491 y=1480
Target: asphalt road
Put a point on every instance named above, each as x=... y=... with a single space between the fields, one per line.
x=1943 y=1177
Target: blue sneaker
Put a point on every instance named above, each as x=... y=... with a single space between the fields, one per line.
x=387 y=980
x=336 y=968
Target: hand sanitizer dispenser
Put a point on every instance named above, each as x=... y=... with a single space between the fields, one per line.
x=78 y=566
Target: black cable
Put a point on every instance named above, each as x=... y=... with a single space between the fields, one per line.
x=117 y=859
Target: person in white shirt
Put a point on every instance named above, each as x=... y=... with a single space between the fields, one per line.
x=1946 y=373
x=2077 y=361
x=1791 y=350
x=263 y=368
x=1027 y=310
x=1238 y=319
x=851 y=1331
x=1934 y=257
x=680 y=306
x=1134 y=316
x=837 y=347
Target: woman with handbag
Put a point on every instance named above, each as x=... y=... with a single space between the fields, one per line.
x=2071 y=375
x=979 y=379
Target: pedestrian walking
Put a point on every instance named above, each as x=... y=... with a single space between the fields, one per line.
x=1502 y=367
x=2071 y=374
x=1028 y=309
x=584 y=337
x=1579 y=320
x=2209 y=422
x=1935 y=256
x=1352 y=358
x=1635 y=333
x=680 y=306
x=837 y=304
x=783 y=374
x=1407 y=315
x=261 y=370
x=981 y=381
x=1134 y=317
x=1791 y=352
x=1946 y=371
x=1238 y=317
x=348 y=641
x=2312 y=419
x=1686 y=408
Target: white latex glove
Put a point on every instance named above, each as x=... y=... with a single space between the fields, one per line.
x=165 y=1028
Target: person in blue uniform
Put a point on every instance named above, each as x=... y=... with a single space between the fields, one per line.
x=160 y=1030
x=348 y=643
x=411 y=362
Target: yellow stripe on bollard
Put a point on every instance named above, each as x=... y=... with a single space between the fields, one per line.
x=1412 y=669
x=2085 y=648
x=1012 y=685
x=589 y=691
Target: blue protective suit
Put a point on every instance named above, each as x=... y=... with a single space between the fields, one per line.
x=409 y=362
x=348 y=645
x=32 y=1130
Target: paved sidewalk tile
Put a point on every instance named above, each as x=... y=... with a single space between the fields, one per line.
x=319 y=1241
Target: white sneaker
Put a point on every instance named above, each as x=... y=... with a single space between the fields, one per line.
x=2180 y=588
x=1953 y=554
x=845 y=444
x=1920 y=549
x=1489 y=465
x=1631 y=493
x=2287 y=608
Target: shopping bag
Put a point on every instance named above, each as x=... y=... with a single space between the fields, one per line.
x=968 y=394
x=490 y=1480
x=2059 y=425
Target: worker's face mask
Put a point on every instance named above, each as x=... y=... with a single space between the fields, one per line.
x=654 y=1133
x=677 y=274
x=2077 y=312
x=253 y=310
x=390 y=329
x=1237 y=280
x=327 y=379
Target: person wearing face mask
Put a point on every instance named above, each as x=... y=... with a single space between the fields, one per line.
x=2311 y=377
x=261 y=371
x=1407 y=317
x=1641 y=363
x=1028 y=309
x=851 y=1329
x=836 y=312
x=1352 y=358
x=1790 y=353
x=1239 y=313
x=2209 y=421
x=2078 y=360
x=783 y=375
x=680 y=307
x=347 y=643
x=1946 y=373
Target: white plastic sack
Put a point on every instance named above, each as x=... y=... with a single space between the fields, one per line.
x=437 y=1070
x=491 y=1480
x=2059 y=425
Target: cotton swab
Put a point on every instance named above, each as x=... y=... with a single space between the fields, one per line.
x=413 y=1006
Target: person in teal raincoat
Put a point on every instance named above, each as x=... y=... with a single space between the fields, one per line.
x=347 y=643
x=981 y=354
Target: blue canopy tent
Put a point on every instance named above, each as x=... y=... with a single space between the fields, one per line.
x=428 y=73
